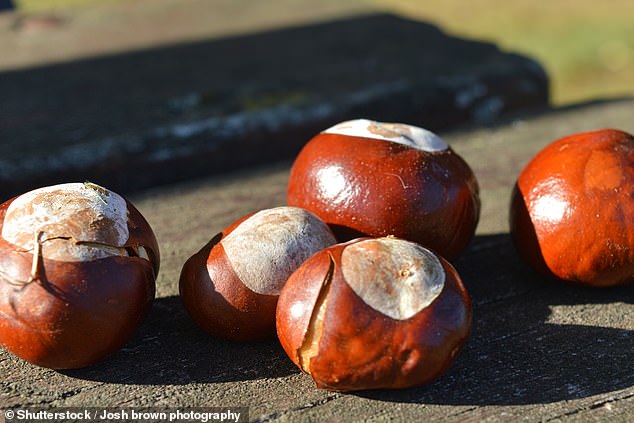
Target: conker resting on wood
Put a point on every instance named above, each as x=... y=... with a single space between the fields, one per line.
x=77 y=270
x=373 y=313
x=231 y=286
x=572 y=209
x=376 y=179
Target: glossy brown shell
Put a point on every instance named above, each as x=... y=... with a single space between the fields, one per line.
x=218 y=301
x=386 y=188
x=76 y=313
x=360 y=348
x=572 y=209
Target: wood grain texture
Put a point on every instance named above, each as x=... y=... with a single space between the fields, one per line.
x=540 y=351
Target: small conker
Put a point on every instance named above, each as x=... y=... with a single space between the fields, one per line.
x=373 y=313
x=77 y=270
x=367 y=178
x=572 y=209
x=231 y=286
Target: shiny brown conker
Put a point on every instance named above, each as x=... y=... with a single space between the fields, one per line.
x=572 y=209
x=373 y=313
x=77 y=270
x=367 y=178
x=231 y=286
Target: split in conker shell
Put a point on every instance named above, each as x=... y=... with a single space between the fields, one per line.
x=376 y=179
x=231 y=286
x=77 y=270
x=373 y=313
x=572 y=209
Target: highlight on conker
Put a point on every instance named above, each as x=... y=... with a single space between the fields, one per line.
x=78 y=265
x=367 y=178
x=572 y=209
x=231 y=286
x=373 y=313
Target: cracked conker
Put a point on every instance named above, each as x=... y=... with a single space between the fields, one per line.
x=572 y=209
x=77 y=270
x=367 y=178
x=373 y=313
x=231 y=286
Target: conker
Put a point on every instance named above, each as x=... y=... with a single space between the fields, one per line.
x=367 y=178
x=373 y=313
x=572 y=209
x=231 y=286
x=77 y=270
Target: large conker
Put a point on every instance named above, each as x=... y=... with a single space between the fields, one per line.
x=231 y=286
x=77 y=270
x=572 y=209
x=373 y=313
x=367 y=178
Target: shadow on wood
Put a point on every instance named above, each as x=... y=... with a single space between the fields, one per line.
x=138 y=119
x=170 y=350
x=515 y=356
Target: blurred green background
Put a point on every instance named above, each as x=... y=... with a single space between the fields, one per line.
x=586 y=46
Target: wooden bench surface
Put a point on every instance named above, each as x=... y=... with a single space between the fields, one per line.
x=539 y=350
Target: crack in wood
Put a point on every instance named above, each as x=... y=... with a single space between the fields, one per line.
x=590 y=407
x=278 y=414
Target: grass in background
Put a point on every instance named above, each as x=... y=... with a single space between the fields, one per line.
x=586 y=46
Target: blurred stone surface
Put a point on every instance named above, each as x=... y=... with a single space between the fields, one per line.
x=164 y=114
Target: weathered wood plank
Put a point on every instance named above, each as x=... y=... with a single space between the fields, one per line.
x=539 y=351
